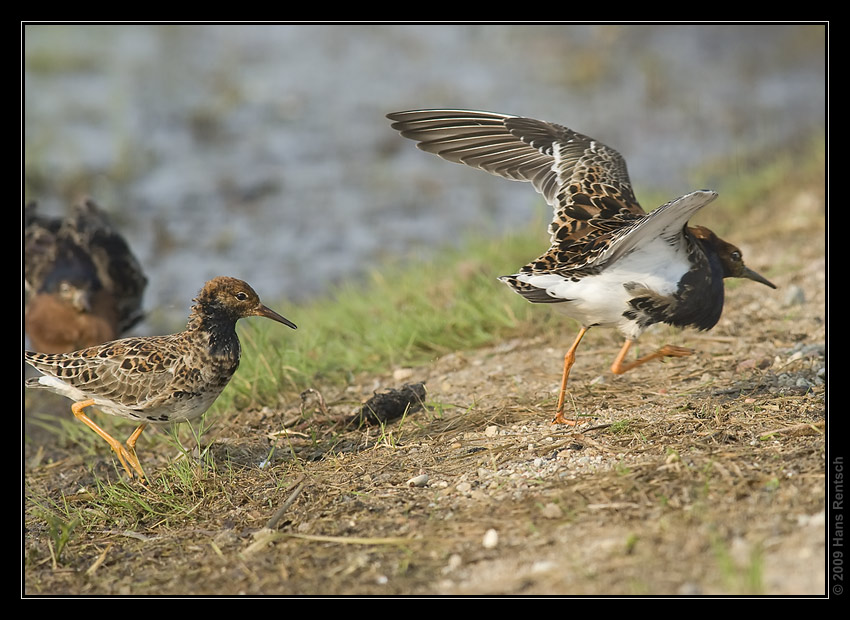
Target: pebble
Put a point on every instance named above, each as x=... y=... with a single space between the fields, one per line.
x=543 y=566
x=794 y=296
x=552 y=511
x=815 y=520
x=418 y=481
x=491 y=539
x=402 y=374
x=689 y=589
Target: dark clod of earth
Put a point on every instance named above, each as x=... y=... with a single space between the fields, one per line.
x=391 y=405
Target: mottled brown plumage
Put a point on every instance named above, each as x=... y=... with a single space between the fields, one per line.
x=83 y=285
x=609 y=263
x=157 y=379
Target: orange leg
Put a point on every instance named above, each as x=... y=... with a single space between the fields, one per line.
x=124 y=455
x=569 y=360
x=131 y=450
x=618 y=367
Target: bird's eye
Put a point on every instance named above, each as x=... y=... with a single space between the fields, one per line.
x=736 y=256
x=241 y=295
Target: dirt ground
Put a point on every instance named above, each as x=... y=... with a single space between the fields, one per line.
x=695 y=476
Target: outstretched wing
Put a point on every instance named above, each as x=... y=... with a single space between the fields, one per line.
x=585 y=182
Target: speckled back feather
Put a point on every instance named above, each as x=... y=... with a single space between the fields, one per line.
x=584 y=181
x=142 y=374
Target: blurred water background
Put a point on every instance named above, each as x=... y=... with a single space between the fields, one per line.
x=263 y=151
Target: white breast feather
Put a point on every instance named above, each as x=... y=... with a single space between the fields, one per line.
x=603 y=298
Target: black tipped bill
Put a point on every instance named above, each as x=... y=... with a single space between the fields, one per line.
x=274 y=316
x=752 y=275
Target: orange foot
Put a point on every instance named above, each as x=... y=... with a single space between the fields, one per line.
x=668 y=350
x=560 y=419
x=126 y=454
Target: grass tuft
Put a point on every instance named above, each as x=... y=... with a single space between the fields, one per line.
x=398 y=316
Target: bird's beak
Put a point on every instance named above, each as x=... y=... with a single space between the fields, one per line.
x=274 y=316
x=752 y=275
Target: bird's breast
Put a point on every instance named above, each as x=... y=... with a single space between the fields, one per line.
x=604 y=298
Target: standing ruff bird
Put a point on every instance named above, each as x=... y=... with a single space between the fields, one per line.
x=156 y=379
x=83 y=286
x=609 y=263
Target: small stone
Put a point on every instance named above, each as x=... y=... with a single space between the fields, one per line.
x=418 y=481
x=543 y=566
x=746 y=365
x=402 y=374
x=491 y=539
x=491 y=431
x=794 y=296
x=552 y=511
x=689 y=589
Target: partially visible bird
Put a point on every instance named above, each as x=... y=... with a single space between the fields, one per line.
x=156 y=379
x=83 y=285
x=609 y=263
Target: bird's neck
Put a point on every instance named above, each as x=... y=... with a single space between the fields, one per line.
x=219 y=329
x=705 y=286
